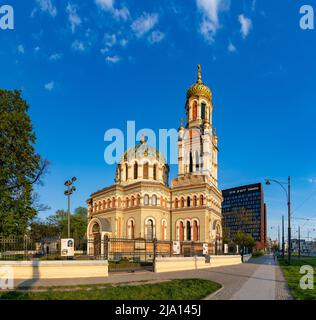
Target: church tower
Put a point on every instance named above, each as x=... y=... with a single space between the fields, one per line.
x=198 y=142
x=196 y=199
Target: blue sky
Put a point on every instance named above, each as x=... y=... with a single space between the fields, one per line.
x=88 y=66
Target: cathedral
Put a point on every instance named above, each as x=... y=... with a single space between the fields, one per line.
x=142 y=205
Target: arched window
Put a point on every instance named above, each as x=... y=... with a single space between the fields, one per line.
x=104 y=205
x=138 y=200
x=195 y=231
x=119 y=202
x=197 y=161
x=154 y=200
x=126 y=172
x=113 y=202
x=100 y=206
x=145 y=170
x=132 y=201
x=135 y=170
x=155 y=172
x=146 y=200
x=126 y=203
x=176 y=203
x=201 y=200
x=182 y=202
x=109 y=203
x=203 y=107
x=131 y=229
x=95 y=207
x=188 y=201
x=188 y=230
x=163 y=229
x=191 y=163
x=181 y=231
x=194 y=110
x=194 y=201
x=150 y=229
x=96 y=228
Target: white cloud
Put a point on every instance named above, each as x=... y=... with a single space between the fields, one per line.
x=78 y=45
x=21 y=49
x=123 y=42
x=49 y=86
x=105 y=4
x=55 y=56
x=112 y=59
x=156 y=36
x=47 y=6
x=122 y=13
x=210 y=10
x=144 y=24
x=231 y=47
x=73 y=16
x=108 y=5
x=109 y=41
x=246 y=25
x=37 y=49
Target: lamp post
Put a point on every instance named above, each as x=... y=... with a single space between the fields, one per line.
x=288 y=196
x=70 y=190
x=283 y=246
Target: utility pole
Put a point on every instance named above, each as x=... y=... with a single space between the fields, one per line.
x=289 y=220
x=283 y=246
x=278 y=237
x=299 y=242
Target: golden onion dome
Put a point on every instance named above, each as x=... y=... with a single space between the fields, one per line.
x=143 y=150
x=199 y=88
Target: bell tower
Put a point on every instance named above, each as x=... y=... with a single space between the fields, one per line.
x=197 y=141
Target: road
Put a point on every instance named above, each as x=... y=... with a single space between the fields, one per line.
x=258 y=279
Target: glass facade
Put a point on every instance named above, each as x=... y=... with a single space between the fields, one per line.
x=243 y=210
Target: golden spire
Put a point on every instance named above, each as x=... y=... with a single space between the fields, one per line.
x=199 y=78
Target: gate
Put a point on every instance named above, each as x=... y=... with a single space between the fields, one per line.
x=129 y=254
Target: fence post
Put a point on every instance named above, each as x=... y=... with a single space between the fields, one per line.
x=106 y=248
x=155 y=253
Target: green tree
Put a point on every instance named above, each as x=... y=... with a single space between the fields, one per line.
x=56 y=225
x=20 y=166
x=244 y=240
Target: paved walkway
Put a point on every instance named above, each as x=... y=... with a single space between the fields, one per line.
x=258 y=279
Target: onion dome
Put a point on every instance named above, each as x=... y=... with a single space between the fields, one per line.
x=199 y=88
x=142 y=162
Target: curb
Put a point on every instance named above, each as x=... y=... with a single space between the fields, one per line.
x=209 y=297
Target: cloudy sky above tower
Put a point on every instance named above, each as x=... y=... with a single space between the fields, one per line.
x=87 y=66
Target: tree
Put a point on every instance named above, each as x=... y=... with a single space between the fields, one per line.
x=244 y=240
x=20 y=166
x=57 y=225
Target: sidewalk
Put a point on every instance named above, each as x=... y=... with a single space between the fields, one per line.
x=258 y=279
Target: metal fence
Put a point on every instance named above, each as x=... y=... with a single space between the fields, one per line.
x=28 y=249
x=122 y=253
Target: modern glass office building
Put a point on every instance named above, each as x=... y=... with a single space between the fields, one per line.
x=243 y=209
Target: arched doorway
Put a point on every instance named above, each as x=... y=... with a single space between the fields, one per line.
x=96 y=237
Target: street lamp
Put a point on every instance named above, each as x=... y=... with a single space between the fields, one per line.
x=288 y=196
x=70 y=190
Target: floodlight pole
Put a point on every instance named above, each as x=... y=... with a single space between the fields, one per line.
x=68 y=193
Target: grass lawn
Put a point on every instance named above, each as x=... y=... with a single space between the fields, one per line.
x=293 y=276
x=184 y=289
